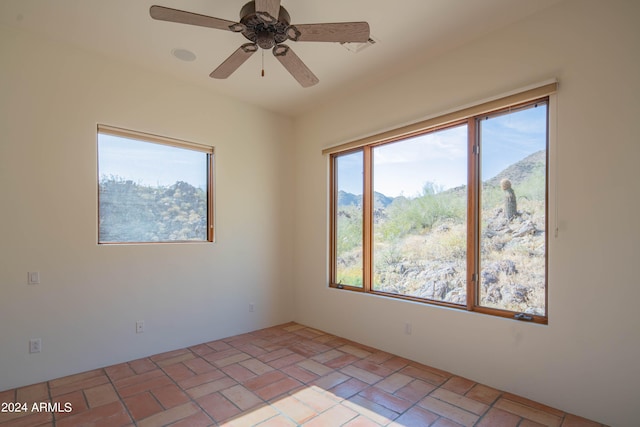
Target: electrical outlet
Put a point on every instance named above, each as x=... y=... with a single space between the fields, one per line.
x=407 y=328
x=35 y=345
x=33 y=277
x=139 y=326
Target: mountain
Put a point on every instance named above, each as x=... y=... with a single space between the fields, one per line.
x=349 y=199
x=517 y=173
x=380 y=200
x=522 y=170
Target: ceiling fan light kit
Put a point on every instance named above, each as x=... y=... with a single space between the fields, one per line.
x=267 y=25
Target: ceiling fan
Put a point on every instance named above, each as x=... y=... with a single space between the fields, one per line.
x=267 y=25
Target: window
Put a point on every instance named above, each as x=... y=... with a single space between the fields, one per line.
x=153 y=189
x=452 y=211
x=349 y=218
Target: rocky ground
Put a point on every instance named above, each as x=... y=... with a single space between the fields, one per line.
x=433 y=265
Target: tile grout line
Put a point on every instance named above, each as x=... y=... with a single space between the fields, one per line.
x=339 y=370
x=305 y=385
x=191 y=399
x=126 y=408
x=288 y=393
x=393 y=394
x=334 y=370
x=216 y=368
x=490 y=406
x=53 y=416
x=84 y=395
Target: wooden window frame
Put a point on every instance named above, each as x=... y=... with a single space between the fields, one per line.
x=172 y=142
x=469 y=116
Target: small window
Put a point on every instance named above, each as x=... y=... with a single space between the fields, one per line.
x=153 y=189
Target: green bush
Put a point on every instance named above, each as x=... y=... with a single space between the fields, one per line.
x=349 y=228
x=419 y=215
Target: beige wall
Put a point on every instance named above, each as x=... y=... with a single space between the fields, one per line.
x=586 y=360
x=85 y=310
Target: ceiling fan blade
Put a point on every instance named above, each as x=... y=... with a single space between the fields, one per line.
x=341 y=32
x=294 y=65
x=268 y=10
x=182 y=17
x=234 y=61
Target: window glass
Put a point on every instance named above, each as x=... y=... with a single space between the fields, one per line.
x=513 y=156
x=150 y=192
x=420 y=216
x=349 y=219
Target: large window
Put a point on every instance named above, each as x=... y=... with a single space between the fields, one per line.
x=153 y=189
x=454 y=213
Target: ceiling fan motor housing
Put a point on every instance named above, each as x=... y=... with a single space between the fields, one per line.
x=265 y=34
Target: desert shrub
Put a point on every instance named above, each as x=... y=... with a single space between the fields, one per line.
x=388 y=257
x=350 y=275
x=533 y=187
x=454 y=242
x=349 y=228
x=420 y=214
x=130 y=211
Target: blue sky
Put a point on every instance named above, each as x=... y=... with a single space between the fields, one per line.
x=402 y=168
x=150 y=164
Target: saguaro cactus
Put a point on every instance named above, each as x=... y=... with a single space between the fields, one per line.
x=510 y=204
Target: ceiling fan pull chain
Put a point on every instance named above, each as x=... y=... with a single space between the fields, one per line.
x=262 y=62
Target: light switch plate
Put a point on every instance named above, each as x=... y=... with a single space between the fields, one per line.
x=33 y=277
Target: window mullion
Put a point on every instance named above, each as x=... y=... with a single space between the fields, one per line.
x=334 y=218
x=472 y=212
x=210 y=199
x=367 y=228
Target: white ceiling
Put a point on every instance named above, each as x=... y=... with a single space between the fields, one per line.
x=408 y=32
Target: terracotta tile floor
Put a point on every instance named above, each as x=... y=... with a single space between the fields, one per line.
x=287 y=375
